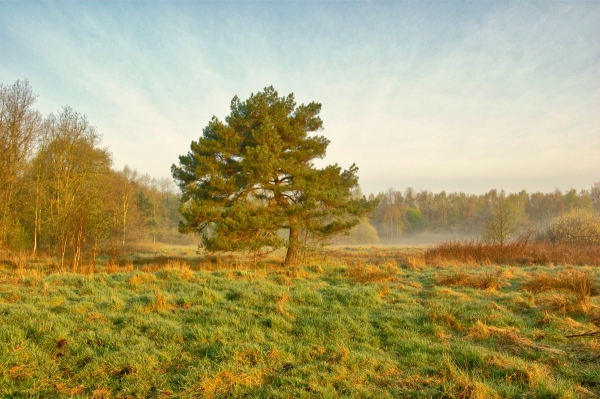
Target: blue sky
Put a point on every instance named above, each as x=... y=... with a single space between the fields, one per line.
x=456 y=96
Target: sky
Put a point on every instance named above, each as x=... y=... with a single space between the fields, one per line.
x=446 y=95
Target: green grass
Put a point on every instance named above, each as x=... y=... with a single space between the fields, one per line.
x=326 y=330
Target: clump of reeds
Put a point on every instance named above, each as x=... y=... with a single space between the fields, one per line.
x=512 y=253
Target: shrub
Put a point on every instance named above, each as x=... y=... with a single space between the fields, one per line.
x=576 y=227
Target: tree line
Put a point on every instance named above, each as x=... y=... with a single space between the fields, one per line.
x=59 y=192
x=244 y=181
x=411 y=211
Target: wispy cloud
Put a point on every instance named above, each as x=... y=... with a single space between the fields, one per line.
x=442 y=95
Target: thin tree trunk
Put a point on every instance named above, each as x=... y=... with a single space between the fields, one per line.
x=291 y=258
x=63 y=251
x=94 y=251
x=77 y=256
x=35 y=226
x=125 y=207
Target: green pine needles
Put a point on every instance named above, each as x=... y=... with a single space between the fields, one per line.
x=251 y=178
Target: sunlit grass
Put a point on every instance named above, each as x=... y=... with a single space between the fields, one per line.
x=351 y=323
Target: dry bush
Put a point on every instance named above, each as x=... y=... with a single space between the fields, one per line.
x=513 y=253
x=581 y=283
x=576 y=227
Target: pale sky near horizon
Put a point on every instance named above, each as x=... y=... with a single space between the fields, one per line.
x=446 y=95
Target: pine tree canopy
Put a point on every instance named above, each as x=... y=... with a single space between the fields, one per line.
x=251 y=177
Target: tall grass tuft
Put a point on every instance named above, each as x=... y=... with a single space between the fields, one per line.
x=581 y=283
x=486 y=281
x=359 y=273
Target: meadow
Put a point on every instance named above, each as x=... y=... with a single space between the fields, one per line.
x=351 y=322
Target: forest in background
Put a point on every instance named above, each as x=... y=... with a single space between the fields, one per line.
x=401 y=215
x=61 y=196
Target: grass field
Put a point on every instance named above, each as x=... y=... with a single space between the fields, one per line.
x=354 y=322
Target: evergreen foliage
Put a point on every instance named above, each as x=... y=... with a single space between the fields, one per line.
x=252 y=175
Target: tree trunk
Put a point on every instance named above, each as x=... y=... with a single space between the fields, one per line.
x=77 y=255
x=36 y=226
x=63 y=250
x=292 y=256
x=125 y=206
x=95 y=250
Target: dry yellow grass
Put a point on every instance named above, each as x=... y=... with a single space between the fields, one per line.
x=483 y=281
x=472 y=253
x=359 y=273
x=415 y=262
x=581 y=283
x=510 y=336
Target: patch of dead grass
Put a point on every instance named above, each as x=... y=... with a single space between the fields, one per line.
x=483 y=281
x=359 y=273
x=510 y=336
x=518 y=252
x=573 y=290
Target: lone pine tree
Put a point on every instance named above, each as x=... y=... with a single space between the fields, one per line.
x=252 y=176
